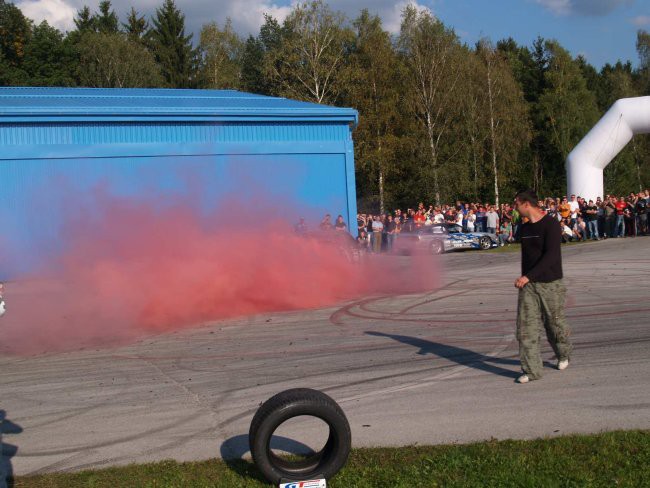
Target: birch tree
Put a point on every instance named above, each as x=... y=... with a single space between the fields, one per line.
x=507 y=121
x=431 y=52
x=308 y=63
x=221 y=55
x=374 y=92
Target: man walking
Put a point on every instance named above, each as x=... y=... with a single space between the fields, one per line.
x=541 y=291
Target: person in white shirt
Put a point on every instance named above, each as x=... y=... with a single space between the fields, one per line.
x=492 y=220
x=471 y=219
x=575 y=206
x=459 y=221
x=377 y=229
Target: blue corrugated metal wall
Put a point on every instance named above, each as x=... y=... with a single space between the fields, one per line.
x=50 y=160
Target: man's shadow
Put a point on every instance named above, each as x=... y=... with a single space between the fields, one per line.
x=7 y=451
x=458 y=355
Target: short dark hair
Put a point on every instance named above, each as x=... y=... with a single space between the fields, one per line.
x=527 y=196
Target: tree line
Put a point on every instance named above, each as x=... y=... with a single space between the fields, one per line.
x=439 y=120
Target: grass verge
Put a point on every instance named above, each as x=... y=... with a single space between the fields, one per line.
x=609 y=459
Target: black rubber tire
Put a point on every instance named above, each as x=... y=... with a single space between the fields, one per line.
x=293 y=403
x=437 y=247
x=485 y=243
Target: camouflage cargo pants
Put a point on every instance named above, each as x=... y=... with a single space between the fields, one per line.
x=541 y=305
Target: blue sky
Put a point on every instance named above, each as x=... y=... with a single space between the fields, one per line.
x=602 y=35
x=602 y=30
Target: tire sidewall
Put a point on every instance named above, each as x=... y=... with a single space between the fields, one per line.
x=335 y=455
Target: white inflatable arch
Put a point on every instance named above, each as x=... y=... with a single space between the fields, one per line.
x=585 y=164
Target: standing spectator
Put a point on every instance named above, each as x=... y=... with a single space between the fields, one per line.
x=630 y=222
x=621 y=205
x=471 y=220
x=459 y=221
x=419 y=219
x=610 y=216
x=564 y=208
x=492 y=220
x=340 y=224
x=552 y=210
x=391 y=228
x=480 y=219
x=326 y=223
x=641 y=213
x=377 y=230
x=628 y=216
x=601 y=216
x=301 y=227
x=591 y=212
x=574 y=205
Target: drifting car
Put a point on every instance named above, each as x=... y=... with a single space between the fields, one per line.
x=437 y=239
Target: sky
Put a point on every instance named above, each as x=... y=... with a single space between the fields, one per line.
x=604 y=31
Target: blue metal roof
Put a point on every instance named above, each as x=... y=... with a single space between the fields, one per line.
x=21 y=104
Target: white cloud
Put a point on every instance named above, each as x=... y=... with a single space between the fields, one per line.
x=583 y=7
x=58 y=13
x=391 y=15
x=247 y=15
x=558 y=7
x=641 y=20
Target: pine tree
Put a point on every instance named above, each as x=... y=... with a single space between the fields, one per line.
x=136 y=25
x=252 y=67
x=84 y=21
x=106 y=19
x=172 y=48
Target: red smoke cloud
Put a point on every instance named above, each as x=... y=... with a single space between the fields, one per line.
x=132 y=269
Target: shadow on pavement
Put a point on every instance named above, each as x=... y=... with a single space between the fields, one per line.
x=233 y=449
x=7 y=451
x=458 y=355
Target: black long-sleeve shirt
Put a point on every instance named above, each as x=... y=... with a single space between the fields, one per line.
x=541 y=254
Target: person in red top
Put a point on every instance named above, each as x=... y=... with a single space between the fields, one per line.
x=419 y=218
x=621 y=205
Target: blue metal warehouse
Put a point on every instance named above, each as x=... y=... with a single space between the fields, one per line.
x=57 y=142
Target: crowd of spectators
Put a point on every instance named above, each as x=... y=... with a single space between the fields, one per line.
x=580 y=219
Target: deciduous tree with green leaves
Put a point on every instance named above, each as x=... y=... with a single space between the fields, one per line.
x=307 y=64
x=432 y=55
x=115 y=61
x=373 y=90
x=221 y=56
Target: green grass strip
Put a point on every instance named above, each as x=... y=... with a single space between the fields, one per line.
x=608 y=459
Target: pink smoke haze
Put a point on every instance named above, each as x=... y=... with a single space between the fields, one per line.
x=131 y=270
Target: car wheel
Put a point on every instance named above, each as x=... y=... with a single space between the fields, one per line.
x=287 y=405
x=485 y=243
x=437 y=247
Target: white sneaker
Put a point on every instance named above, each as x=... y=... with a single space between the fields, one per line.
x=523 y=379
x=563 y=364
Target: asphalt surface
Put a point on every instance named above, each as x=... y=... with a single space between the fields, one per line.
x=419 y=369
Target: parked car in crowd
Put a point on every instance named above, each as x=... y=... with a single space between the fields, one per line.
x=2 y=302
x=437 y=240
